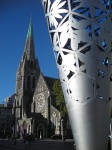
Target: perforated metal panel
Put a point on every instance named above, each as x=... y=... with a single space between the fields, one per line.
x=80 y=32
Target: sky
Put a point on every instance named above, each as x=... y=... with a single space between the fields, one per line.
x=15 y=17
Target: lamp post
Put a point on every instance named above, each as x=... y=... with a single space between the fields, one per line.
x=62 y=133
x=14 y=120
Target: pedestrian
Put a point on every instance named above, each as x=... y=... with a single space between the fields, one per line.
x=29 y=140
x=26 y=141
x=15 y=142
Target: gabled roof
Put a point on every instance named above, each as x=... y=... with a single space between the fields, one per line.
x=50 y=81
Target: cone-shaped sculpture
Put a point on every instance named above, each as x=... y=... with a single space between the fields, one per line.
x=80 y=35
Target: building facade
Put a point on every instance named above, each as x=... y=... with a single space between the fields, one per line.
x=33 y=107
x=6 y=121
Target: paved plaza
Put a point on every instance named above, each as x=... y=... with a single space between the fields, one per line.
x=45 y=144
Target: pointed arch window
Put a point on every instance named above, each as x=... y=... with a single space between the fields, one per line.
x=33 y=82
x=31 y=63
x=28 y=81
x=34 y=64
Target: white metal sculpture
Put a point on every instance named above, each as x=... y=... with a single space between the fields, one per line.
x=80 y=35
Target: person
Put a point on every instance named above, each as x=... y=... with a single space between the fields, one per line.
x=15 y=142
x=27 y=141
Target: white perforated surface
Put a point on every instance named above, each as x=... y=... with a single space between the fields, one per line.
x=80 y=32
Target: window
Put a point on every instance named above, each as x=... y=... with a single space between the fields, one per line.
x=28 y=81
x=31 y=63
x=33 y=82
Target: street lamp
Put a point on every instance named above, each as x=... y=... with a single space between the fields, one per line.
x=62 y=130
x=14 y=124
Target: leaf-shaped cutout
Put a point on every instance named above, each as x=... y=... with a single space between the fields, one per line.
x=53 y=21
x=63 y=38
x=55 y=12
x=64 y=26
x=56 y=42
x=57 y=15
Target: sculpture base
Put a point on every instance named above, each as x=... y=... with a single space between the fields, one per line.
x=90 y=124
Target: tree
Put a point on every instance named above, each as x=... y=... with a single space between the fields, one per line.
x=57 y=94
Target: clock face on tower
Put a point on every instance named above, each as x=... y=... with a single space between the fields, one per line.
x=40 y=102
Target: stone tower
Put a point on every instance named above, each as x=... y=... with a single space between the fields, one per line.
x=34 y=113
x=27 y=75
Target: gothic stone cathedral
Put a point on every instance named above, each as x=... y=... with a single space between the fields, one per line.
x=35 y=112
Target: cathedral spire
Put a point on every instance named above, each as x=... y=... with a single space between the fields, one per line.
x=28 y=72
x=29 y=51
x=30 y=29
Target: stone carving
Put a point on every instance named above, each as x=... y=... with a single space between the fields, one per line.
x=40 y=102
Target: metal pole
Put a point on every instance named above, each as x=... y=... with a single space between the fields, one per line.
x=110 y=137
x=62 y=130
x=14 y=122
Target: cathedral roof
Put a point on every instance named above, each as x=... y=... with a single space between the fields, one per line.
x=50 y=81
x=35 y=115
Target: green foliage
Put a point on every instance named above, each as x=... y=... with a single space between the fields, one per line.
x=57 y=95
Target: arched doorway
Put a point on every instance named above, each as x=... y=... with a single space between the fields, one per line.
x=40 y=131
x=25 y=127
